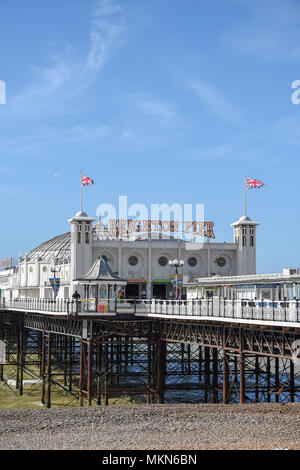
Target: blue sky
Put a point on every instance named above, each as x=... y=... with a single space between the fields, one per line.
x=162 y=101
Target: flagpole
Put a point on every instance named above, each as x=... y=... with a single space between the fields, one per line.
x=245 y=196
x=81 y=190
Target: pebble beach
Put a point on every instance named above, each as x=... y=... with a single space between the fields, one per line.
x=153 y=427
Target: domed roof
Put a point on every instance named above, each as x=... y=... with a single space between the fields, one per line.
x=58 y=247
x=244 y=220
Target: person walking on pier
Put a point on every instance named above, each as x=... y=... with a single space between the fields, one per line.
x=76 y=297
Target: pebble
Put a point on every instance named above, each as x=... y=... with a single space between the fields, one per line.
x=153 y=427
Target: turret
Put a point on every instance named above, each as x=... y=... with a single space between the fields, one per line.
x=81 y=245
x=245 y=238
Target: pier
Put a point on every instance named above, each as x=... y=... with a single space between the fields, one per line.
x=218 y=351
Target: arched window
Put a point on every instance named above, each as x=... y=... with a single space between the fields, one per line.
x=244 y=240
x=251 y=240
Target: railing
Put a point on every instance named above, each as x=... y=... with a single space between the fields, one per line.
x=37 y=304
x=217 y=307
x=73 y=307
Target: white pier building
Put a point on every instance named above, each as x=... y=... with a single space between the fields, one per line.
x=141 y=259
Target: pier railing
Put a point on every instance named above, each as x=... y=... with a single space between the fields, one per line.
x=287 y=311
x=78 y=306
x=217 y=307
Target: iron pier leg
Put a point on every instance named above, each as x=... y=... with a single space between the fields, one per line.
x=256 y=379
x=89 y=378
x=200 y=363
x=292 y=382
x=242 y=369
x=225 y=377
x=277 y=382
x=268 y=371
x=215 y=375
x=43 y=367
x=49 y=372
x=207 y=373
x=149 y=372
x=161 y=371
x=81 y=374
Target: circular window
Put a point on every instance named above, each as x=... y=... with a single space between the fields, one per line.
x=133 y=261
x=221 y=261
x=163 y=261
x=192 y=261
x=45 y=269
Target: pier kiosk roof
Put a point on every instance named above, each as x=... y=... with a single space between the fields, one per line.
x=101 y=272
x=101 y=282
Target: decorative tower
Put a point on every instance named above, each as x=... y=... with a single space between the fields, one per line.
x=81 y=245
x=245 y=239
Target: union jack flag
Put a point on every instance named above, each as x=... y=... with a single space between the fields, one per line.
x=254 y=183
x=85 y=180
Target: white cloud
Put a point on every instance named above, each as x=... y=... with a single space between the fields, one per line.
x=215 y=101
x=69 y=74
x=160 y=109
x=103 y=33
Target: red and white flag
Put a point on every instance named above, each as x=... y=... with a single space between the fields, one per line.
x=254 y=183
x=85 y=180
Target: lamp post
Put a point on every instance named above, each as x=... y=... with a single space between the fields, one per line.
x=175 y=263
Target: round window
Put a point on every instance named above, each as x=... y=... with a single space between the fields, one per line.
x=31 y=269
x=192 y=261
x=45 y=269
x=133 y=261
x=163 y=261
x=221 y=261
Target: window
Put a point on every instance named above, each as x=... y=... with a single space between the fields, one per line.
x=221 y=261
x=133 y=261
x=192 y=261
x=87 y=239
x=251 y=240
x=244 y=240
x=78 y=237
x=163 y=261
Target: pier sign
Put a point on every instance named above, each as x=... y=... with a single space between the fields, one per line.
x=122 y=227
x=2 y=352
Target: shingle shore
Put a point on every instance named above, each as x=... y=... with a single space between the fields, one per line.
x=147 y=427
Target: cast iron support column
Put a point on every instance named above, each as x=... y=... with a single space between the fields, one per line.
x=81 y=373
x=225 y=377
x=292 y=381
x=43 y=366
x=161 y=371
x=89 y=377
x=207 y=373
x=242 y=369
x=215 y=375
x=49 y=371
